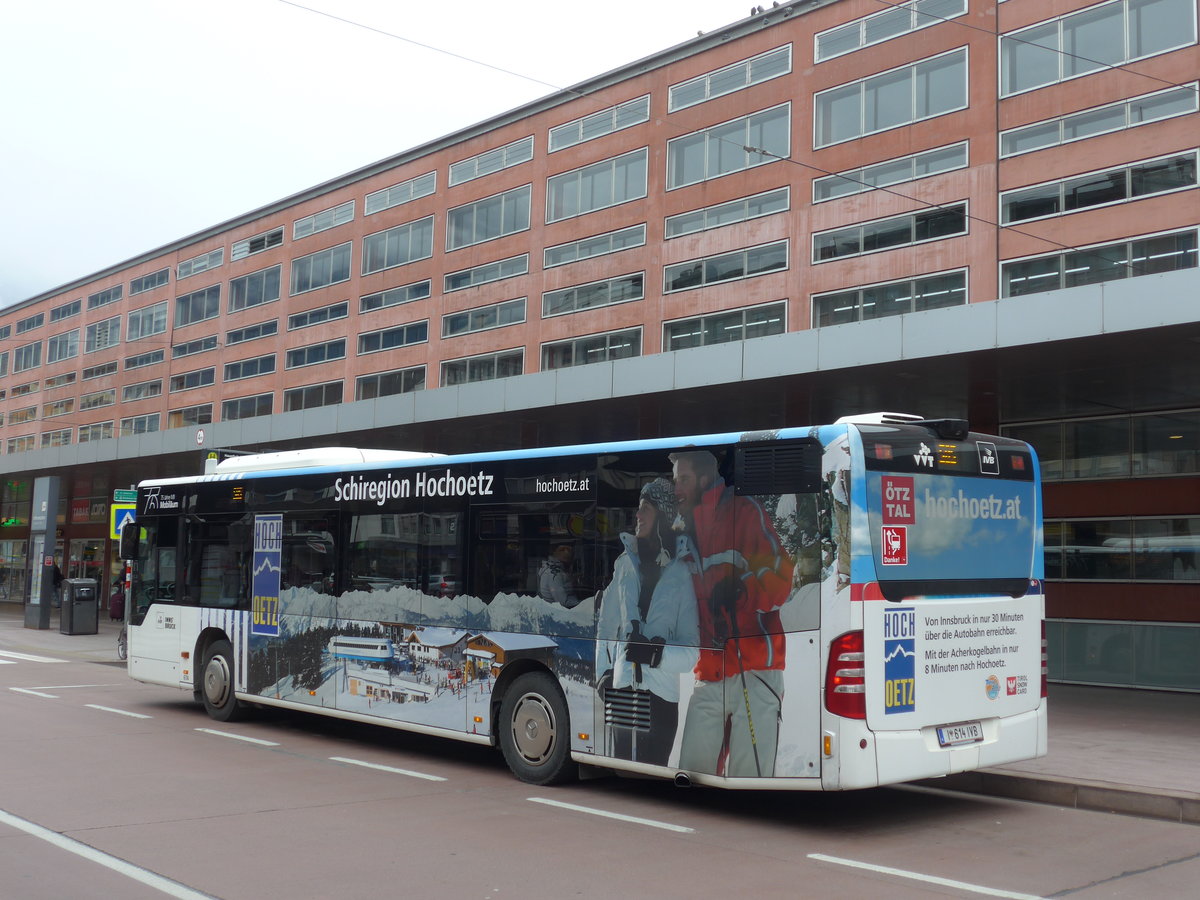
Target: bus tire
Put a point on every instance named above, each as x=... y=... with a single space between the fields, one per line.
x=216 y=682
x=535 y=730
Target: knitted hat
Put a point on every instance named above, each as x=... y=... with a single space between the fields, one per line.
x=660 y=493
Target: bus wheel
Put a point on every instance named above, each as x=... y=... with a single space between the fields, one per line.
x=535 y=730
x=216 y=687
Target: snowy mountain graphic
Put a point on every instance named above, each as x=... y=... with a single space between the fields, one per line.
x=899 y=650
x=266 y=566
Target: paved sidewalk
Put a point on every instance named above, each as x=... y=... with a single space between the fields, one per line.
x=1126 y=751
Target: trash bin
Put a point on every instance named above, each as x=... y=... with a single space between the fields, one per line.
x=80 y=607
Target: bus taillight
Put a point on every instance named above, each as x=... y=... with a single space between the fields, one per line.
x=1045 y=661
x=845 y=678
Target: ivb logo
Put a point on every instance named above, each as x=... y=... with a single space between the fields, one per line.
x=899 y=660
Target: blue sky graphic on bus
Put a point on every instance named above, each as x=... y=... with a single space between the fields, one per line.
x=268 y=552
x=899 y=660
x=940 y=527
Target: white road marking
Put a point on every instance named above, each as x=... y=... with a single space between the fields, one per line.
x=120 y=866
x=928 y=879
x=367 y=765
x=35 y=693
x=119 y=712
x=27 y=657
x=666 y=826
x=238 y=737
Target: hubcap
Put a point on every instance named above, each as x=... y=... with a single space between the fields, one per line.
x=533 y=728
x=217 y=681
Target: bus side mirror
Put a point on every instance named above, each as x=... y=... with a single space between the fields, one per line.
x=130 y=544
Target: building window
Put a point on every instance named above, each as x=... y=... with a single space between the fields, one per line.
x=103 y=298
x=622 y=289
x=600 y=185
x=60 y=438
x=321 y=269
x=65 y=311
x=248 y=368
x=1106 y=262
x=316 y=354
x=3 y=363
x=252 y=332
x=201 y=263
x=254 y=289
x=101 y=431
x=1142 y=110
x=102 y=335
x=922 y=90
x=98 y=399
x=404 y=192
x=31 y=323
x=22 y=444
x=888 y=234
x=726 y=326
x=198 y=306
x=736 y=77
x=398 y=246
x=247 y=407
x=385 y=384
x=486 y=367
x=191 y=348
x=328 y=394
x=420 y=290
x=58 y=381
x=598 y=124
x=729 y=213
x=108 y=368
x=149 y=282
x=1141 y=446
x=592 y=349
x=484 y=318
x=492 y=161
x=1093 y=39
x=392 y=338
x=1126 y=549
x=190 y=416
x=312 y=317
x=487 y=273
x=733 y=146
x=144 y=359
x=62 y=346
x=21 y=416
x=323 y=221
x=186 y=381
x=894 y=171
x=904 y=18
x=141 y=391
x=139 y=424
x=488 y=219
x=1133 y=182
x=146 y=322
x=24 y=390
x=597 y=245
x=891 y=299
x=748 y=263
x=257 y=244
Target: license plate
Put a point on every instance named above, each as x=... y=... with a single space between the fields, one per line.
x=962 y=733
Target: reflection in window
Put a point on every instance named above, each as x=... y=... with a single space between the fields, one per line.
x=1166 y=549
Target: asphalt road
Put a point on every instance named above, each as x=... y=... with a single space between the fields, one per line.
x=109 y=788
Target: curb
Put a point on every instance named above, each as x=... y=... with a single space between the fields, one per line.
x=1172 y=806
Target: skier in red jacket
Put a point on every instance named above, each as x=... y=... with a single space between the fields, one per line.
x=742 y=578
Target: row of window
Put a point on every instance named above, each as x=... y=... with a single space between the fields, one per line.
x=1124 y=259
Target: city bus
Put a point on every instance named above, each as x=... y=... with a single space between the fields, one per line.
x=813 y=608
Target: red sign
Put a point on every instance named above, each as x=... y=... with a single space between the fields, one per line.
x=899 y=497
x=895 y=545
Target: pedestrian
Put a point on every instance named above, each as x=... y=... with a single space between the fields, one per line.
x=58 y=582
x=648 y=631
x=742 y=578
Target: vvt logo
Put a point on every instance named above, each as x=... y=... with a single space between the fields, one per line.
x=924 y=456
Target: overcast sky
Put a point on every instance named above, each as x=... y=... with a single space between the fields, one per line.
x=127 y=124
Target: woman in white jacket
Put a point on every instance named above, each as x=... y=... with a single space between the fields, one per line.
x=648 y=633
